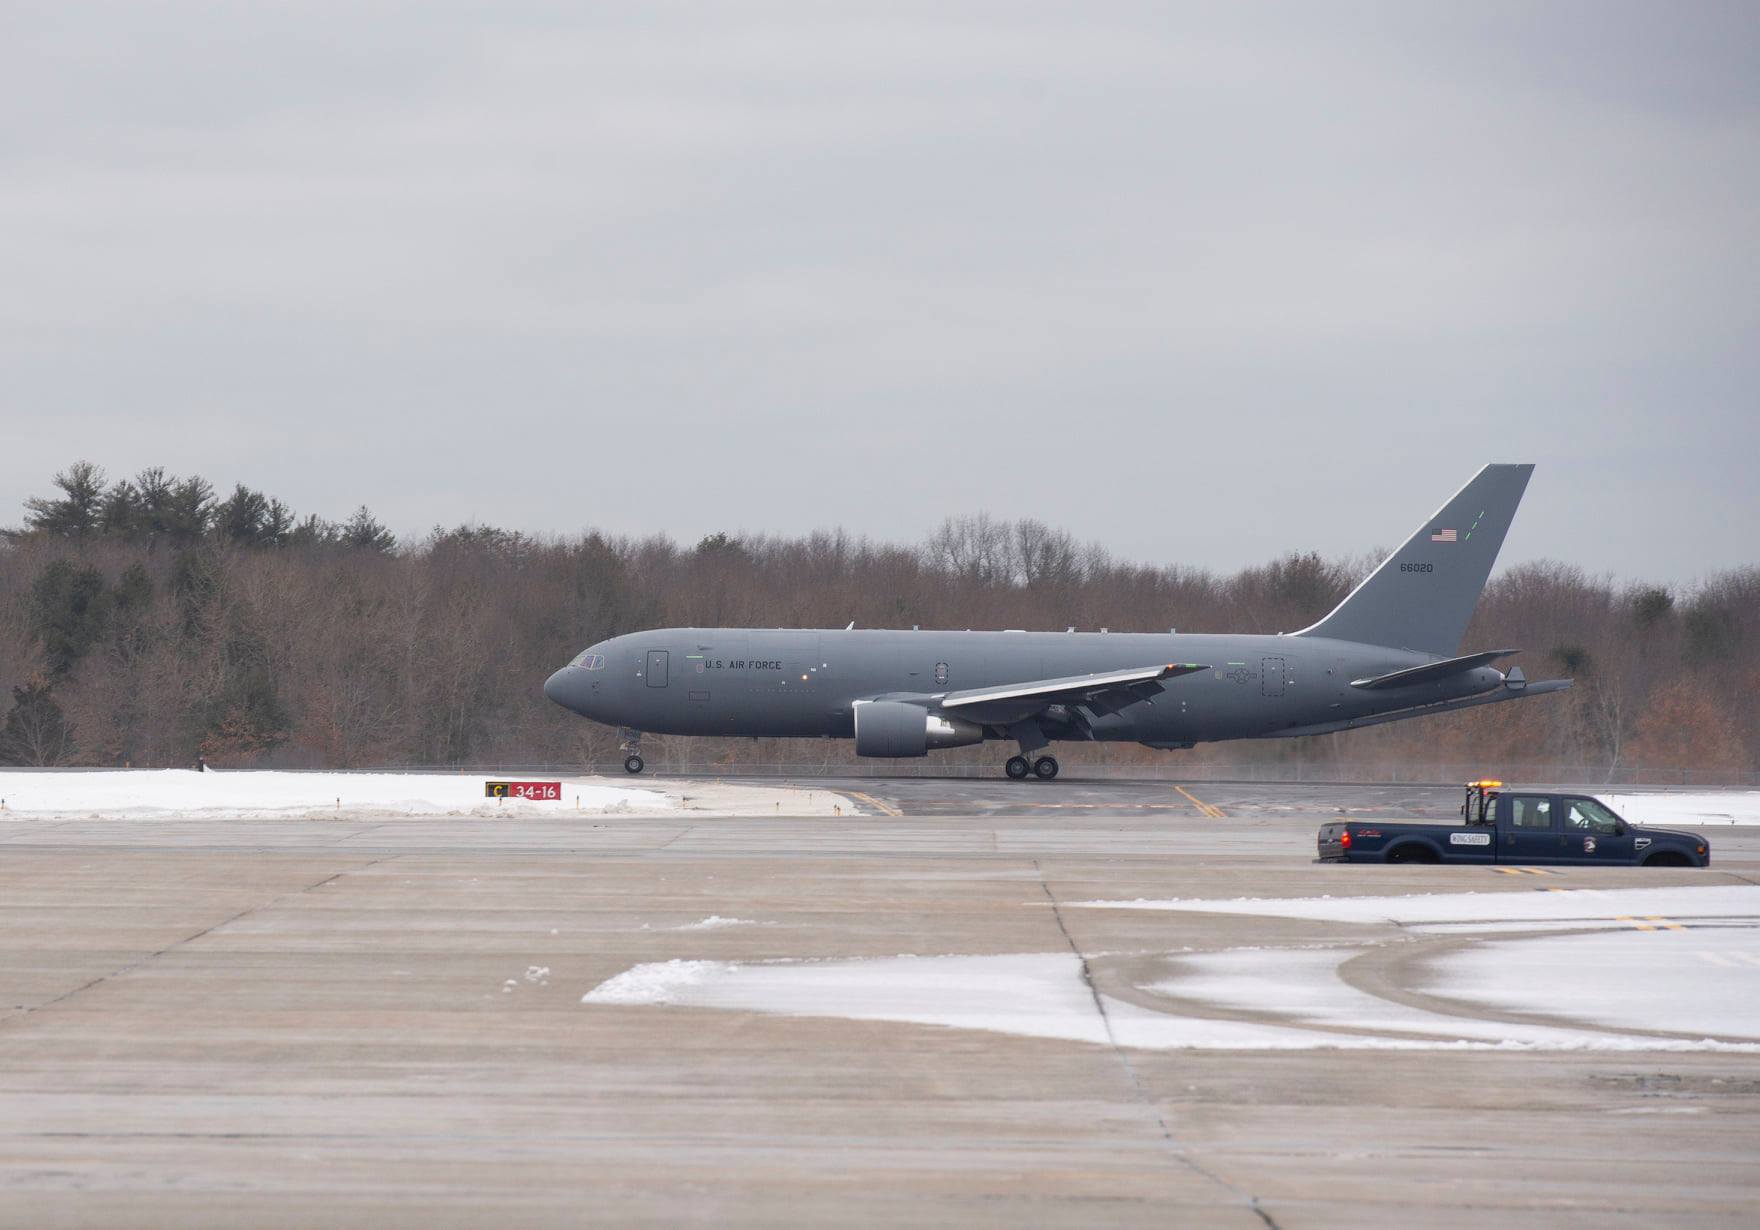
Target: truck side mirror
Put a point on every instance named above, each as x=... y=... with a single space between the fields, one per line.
x=1619 y=828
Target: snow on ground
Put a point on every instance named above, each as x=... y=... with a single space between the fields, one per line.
x=720 y=798
x=1702 y=981
x=147 y=794
x=1303 y=985
x=1038 y=994
x=1043 y=995
x=1680 y=961
x=1664 y=807
x=715 y=922
x=1708 y=902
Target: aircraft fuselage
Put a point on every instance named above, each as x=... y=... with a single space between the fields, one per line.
x=769 y=683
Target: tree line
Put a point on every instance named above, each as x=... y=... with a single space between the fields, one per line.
x=148 y=621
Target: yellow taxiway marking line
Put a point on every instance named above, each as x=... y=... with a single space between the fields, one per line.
x=1627 y=918
x=1204 y=809
x=1660 y=921
x=1527 y=871
x=1103 y=806
x=885 y=809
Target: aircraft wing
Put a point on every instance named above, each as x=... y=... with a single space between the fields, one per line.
x=1430 y=672
x=1104 y=690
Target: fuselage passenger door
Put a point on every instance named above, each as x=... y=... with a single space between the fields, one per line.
x=657 y=668
x=1271 y=677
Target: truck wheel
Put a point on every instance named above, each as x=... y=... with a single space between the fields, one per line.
x=1667 y=858
x=1411 y=853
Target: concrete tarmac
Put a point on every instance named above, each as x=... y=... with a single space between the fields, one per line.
x=289 y=1023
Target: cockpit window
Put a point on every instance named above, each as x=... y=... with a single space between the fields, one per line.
x=589 y=661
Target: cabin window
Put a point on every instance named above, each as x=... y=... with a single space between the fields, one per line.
x=1530 y=813
x=1588 y=816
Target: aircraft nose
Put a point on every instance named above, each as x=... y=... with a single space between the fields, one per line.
x=560 y=688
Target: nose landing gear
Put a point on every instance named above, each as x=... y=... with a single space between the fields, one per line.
x=632 y=744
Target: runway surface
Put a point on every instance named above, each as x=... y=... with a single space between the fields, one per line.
x=907 y=1014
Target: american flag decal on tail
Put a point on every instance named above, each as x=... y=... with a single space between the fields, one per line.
x=1442 y=536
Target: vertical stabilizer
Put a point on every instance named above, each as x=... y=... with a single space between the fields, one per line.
x=1422 y=595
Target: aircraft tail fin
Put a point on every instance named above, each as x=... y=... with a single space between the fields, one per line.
x=1422 y=595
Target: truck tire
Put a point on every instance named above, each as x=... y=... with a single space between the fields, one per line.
x=1667 y=858
x=1413 y=852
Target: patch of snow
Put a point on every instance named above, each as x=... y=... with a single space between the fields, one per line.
x=1041 y=995
x=1038 y=994
x=662 y=982
x=1658 y=1110
x=715 y=922
x=1302 y=985
x=1703 y=981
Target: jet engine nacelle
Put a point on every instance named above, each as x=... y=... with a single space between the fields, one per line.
x=896 y=728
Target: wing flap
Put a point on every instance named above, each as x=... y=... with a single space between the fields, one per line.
x=1430 y=672
x=1112 y=688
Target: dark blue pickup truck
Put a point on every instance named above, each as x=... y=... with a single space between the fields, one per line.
x=1516 y=826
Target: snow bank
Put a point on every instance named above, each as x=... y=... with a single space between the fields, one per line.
x=146 y=794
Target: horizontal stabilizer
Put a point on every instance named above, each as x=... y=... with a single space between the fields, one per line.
x=1495 y=696
x=1430 y=672
x=1071 y=689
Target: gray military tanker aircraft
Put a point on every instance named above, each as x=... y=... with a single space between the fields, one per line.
x=1386 y=652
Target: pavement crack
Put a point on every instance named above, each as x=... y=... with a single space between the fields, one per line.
x=1141 y=1089
x=25 y=1010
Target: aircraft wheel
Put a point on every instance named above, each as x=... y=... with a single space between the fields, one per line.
x=632 y=764
x=1046 y=767
x=1017 y=767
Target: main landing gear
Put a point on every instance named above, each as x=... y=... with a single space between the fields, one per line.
x=1045 y=767
x=632 y=763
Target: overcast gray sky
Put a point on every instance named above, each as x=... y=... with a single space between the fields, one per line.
x=1204 y=283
